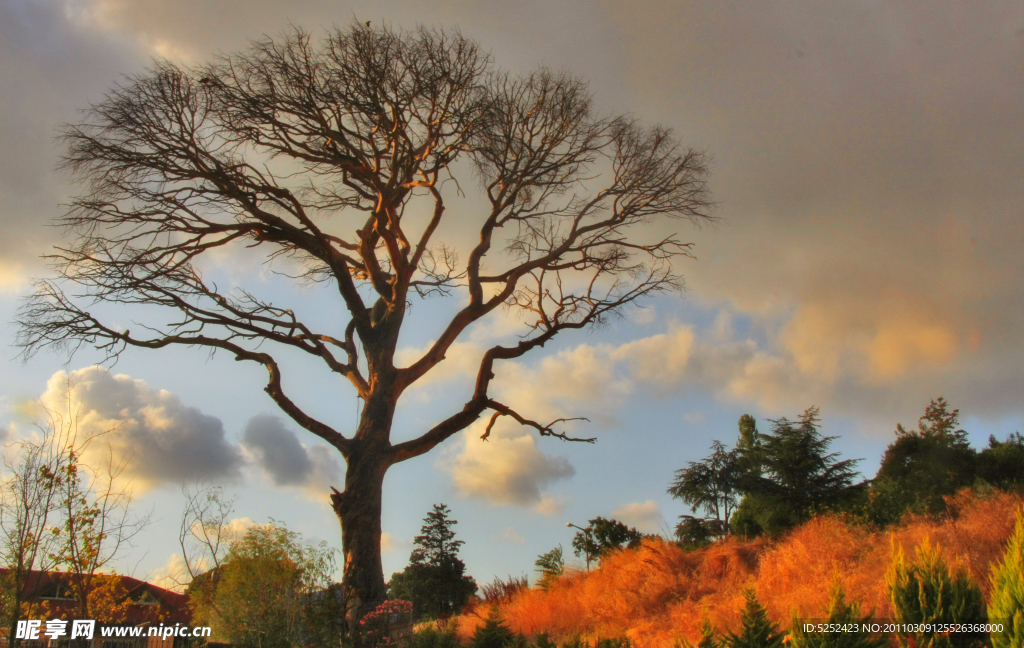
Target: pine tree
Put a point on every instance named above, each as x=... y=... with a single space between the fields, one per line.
x=757 y=630
x=927 y=591
x=435 y=579
x=1007 y=606
x=493 y=633
x=840 y=613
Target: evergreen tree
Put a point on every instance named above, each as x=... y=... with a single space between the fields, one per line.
x=1002 y=462
x=435 y=580
x=711 y=485
x=1007 y=606
x=493 y=633
x=757 y=630
x=928 y=592
x=840 y=613
x=790 y=475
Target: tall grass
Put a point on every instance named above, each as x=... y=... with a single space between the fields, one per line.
x=657 y=595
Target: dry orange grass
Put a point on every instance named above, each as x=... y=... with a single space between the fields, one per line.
x=657 y=595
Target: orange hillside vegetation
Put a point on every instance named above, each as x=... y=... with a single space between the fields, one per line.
x=657 y=595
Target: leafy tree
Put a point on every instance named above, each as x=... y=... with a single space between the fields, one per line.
x=797 y=477
x=329 y=159
x=926 y=591
x=1007 y=605
x=605 y=536
x=694 y=533
x=839 y=614
x=435 y=580
x=711 y=485
x=756 y=631
x=1002 y=462
x=271 y=591
x=551 y=565
x=923 y=465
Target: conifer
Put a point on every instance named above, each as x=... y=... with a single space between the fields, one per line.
x=1007 y=606
x=757 y=630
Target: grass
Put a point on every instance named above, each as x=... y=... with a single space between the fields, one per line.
x=657 y=595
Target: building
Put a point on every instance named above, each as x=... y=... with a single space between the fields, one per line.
x=135 y=607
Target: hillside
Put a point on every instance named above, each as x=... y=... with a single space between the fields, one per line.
x=657 y=594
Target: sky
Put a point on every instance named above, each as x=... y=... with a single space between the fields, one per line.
x=866 y=164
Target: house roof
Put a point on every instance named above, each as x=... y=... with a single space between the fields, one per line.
x=52 y=586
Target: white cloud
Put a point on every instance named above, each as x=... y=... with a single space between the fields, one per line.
x=507 y=468
x=508 y=534
x=645 y=516
x=160 y=439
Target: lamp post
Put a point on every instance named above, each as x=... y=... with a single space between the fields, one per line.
x=586 y=541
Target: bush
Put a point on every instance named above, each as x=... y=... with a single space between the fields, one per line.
x=840 y=613
x=757 y=630
x=431 y=637
x=493 y=633
x=927 y=591
x=1007 y=605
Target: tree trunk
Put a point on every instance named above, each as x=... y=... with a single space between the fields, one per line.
x=359 y=510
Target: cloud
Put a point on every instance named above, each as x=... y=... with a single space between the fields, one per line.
x=173 y=575
x=508 y=534
x=646 y=516
x=163 y=440
x=276 y=449
x=507 y=468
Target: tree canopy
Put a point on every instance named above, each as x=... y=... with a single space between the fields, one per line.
x=342 y=161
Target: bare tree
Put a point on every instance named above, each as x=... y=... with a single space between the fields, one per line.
x=334 y=153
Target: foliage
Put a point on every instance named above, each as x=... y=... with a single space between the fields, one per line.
x=693 y=533
x=502 y=590
x=924 y=465
x=798 y=477
x=379 y=627
x=435 y=579
x=711 y=485
x=708 y=637
x=839 y=614
x=1007 y=598
x=928 y=592
x=269 y=591
x=541 y=640
x=432 y=637
x=493 y=633
x=756 y=630
x=551 y=565
x=1002 y=462
x=603 y=536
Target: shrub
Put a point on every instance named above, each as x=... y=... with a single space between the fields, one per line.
x=757 y=631
x=928 y=592
x=503 y=590
x=431 y=637
x=840 y=613
x=541 y=640
x=1007 y=605
x=493 y=633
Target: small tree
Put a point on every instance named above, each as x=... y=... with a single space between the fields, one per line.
x=602 y=537
x=711 y=485
x=840 y=614
x=1007 y=604
x=435 y=580
x=493 y=633
x=551 y=565
x=927 y=592
x=756 y=630
x=268 y=588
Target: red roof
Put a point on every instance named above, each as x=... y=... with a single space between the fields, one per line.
x=146 y=598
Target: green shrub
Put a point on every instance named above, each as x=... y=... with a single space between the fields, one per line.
x=928 y=592
x=707 y=636
x=431 y=637
x=1007 y=606
x=493 y=633
x=541 y=640
x=840 y=613
x=757 y=630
